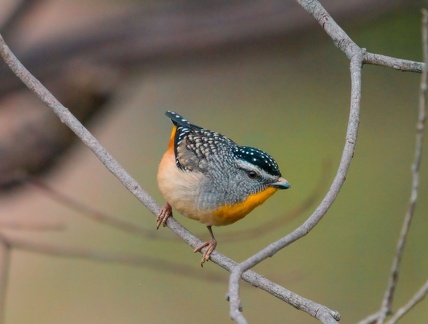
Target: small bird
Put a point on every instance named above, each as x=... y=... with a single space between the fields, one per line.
x=208 y=177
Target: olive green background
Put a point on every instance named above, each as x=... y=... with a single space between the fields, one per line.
x=289 y=98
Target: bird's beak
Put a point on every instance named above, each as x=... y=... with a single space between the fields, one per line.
x=281 y=184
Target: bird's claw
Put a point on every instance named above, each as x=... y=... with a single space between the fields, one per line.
x=210 y=247
x=164 y=214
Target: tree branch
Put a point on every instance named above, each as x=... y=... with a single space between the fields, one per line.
x=355 y=54
x=392 y=62
x=357 y=57
x=25 y=224
x=386 y=306
x=419 y=296
x=67 y=118
x=114 y=167
x=389 y=293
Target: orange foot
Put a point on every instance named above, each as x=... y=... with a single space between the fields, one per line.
x=211 y=245
x=164 y=214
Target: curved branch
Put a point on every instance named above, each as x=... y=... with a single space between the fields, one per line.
x=114 y=167
x=356 y=55
x=352 y=51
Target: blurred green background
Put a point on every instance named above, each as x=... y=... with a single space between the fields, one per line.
x=289 y=98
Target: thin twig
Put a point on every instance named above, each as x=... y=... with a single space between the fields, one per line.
x=392 y=62
x=36 y=246
x=112 y=165
x=372 y=318
x=251 y=277
x=386 y=306
x=90 y=213
x=419 y=296
x=4 y=271
x=355 y=54
x=31 y=225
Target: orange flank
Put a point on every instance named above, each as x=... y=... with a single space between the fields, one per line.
x=228 y=214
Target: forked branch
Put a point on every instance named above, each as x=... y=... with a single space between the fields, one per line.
x=357 y=56
x=114 y=167
x=386 y=306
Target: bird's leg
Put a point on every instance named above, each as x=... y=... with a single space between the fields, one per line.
x=164 y=214
x=210 y=247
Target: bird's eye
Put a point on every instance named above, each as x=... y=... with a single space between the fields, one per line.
x=252 y=174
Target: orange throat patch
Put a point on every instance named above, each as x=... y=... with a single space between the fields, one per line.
x=230 y=214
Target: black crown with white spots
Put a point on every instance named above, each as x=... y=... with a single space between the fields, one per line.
x=257 y=157
x=203 y=142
